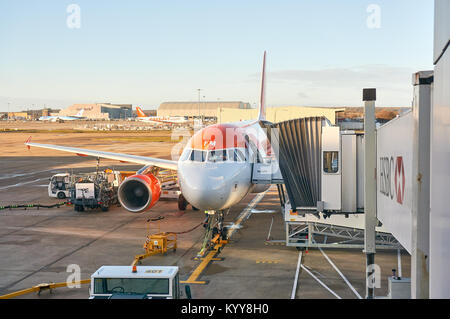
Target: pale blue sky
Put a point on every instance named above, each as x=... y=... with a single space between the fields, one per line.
x=146 y=52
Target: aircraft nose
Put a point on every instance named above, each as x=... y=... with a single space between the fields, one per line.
x=204 y=189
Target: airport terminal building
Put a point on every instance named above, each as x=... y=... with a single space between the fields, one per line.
x=277 y=114
x=100 y=111
x=197 y=109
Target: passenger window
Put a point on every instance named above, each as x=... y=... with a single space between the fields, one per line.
x=217 y=156
x=331 y=162
x=198 y=156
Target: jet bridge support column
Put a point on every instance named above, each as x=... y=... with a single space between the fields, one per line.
x=370 y=188
x=422 y=82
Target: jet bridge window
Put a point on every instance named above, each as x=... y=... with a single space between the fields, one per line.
x=330 y=162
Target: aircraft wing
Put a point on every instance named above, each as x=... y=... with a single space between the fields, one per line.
x=163 y=163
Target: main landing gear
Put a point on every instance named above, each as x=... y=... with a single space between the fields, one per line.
x=183 y=203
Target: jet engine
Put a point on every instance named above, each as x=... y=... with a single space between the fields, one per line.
x=139 y=192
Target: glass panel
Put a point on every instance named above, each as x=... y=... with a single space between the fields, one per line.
x=233 y=155
x=185 y=155
x=177 y=287
x=331 y=162
x=217 y=156
x=240 y=155
x=158 y=286
x=198 y=156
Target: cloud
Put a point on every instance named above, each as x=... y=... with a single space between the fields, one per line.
x=362 y=76
x=341 y=86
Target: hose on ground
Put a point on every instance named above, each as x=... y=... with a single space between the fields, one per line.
x=25 y=206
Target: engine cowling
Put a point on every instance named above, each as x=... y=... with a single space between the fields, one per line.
x=139 y=192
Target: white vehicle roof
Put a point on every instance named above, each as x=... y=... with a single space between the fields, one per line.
x=142 y=272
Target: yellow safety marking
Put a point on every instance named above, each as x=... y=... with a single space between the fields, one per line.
x=43 y=286
x=267 y=261
x=220 y=243
x=274 y=243
x=198 y=271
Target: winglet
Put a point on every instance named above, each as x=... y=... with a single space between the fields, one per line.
x=139 y=112
x=28 y=141
x=262 y=99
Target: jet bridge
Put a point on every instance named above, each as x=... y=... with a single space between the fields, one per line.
x=321 y=166
x=322 y=173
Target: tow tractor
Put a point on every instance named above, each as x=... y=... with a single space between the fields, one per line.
x=136 y=282
x=59 y=186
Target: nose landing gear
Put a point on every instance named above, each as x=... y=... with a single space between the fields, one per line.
x=215 y=232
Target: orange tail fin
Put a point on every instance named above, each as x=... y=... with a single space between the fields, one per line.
x=139 y=112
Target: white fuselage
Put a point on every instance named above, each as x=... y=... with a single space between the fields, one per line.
x=210 y=183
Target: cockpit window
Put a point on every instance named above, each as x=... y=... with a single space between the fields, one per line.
x=236 y=155
x=198 y=156
x=185 y=155
x=217 y=156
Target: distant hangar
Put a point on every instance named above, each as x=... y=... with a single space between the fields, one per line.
x=234 y=111
x=277 y=114
x=199 y=109
x=99 y=111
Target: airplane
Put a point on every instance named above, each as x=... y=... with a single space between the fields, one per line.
x=159 y=120
x=54 y=118
x=214 y=169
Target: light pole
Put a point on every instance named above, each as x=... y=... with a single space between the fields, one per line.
x=199 y=102
x=8 y=110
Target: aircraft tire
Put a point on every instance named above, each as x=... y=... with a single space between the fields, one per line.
x=182 y=202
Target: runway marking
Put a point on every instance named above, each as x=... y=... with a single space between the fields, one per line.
x=270 y=230
x=10 y=176
x=10 y=285
x=275 y=243
x=266 y=211
x=320 y=282
x=294 y=287
x=340 y=274
x=22 y=183
x=246 y=213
